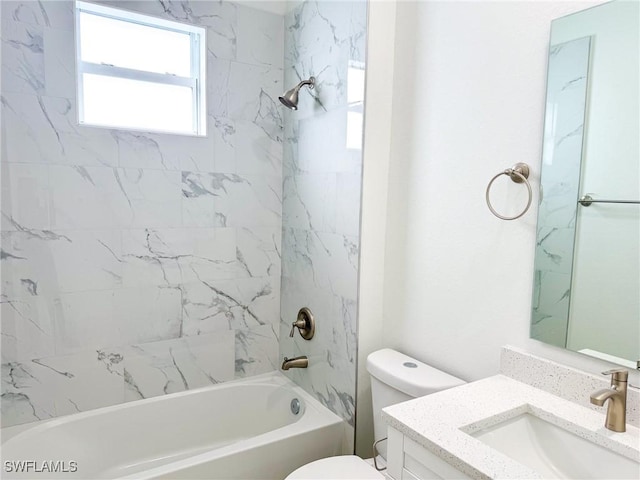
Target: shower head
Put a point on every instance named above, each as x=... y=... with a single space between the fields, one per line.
x=290 y=98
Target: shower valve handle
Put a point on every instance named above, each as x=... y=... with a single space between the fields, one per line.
x=305 y=323
x=299 y=323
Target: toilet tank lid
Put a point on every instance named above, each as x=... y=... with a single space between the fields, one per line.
x=407 y=374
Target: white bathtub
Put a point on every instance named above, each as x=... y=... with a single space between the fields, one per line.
x=236 y=430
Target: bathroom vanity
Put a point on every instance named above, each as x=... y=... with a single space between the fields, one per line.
x=531 y=421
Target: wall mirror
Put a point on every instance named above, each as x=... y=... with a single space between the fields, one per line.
x=586 y=294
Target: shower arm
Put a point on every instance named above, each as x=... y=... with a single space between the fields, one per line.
x=311 y=82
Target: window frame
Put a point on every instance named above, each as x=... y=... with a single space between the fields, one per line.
x=196 y=81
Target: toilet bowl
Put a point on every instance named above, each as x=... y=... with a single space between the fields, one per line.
x=395 y=378
x=347 y=467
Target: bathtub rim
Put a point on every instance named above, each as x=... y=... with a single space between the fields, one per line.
x=272 y=378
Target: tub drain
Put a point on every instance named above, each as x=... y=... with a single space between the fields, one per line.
x=295 y=406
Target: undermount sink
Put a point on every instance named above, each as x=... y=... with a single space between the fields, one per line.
x=554 y=452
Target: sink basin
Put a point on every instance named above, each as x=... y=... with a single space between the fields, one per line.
x=554 y=452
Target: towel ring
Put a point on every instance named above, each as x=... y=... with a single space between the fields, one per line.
x=519 y=174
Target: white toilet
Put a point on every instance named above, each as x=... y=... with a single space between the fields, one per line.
x=395 y=378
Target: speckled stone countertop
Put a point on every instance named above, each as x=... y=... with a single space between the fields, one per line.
x=442 y=424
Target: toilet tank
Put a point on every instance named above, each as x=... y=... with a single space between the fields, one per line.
x=396 y=378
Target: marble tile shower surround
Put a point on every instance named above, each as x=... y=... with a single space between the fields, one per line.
x=562 y=157
x=321 y=200
x=137 y=264
x=563 y=381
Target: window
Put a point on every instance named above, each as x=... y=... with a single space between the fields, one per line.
x=139 y=72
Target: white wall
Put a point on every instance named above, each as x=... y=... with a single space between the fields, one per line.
x=468 y=95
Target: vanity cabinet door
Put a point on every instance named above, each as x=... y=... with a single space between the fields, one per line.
x=406 y=460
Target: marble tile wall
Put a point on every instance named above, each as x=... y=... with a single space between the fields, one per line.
x=561 y=159
x=137 y=264
x=321 y=203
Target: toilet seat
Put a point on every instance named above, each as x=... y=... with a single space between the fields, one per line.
x=347 y=467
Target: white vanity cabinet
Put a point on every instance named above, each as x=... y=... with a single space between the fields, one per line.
x=406 y=460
